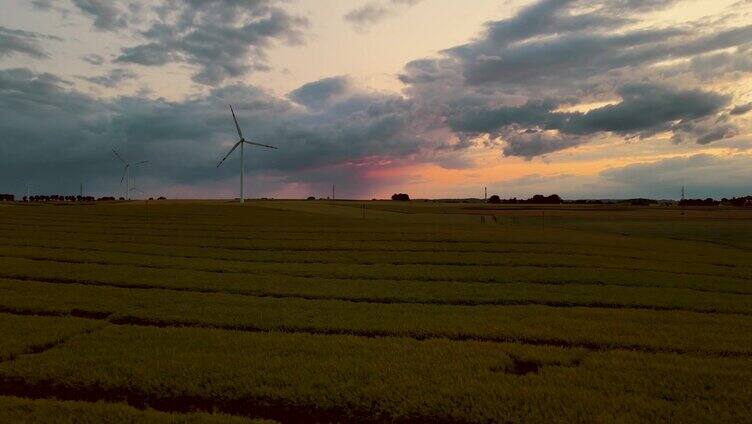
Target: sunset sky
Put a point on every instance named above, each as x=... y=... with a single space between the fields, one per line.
x=436 y=98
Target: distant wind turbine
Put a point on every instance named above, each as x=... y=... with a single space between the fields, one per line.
x=240 y=143
x=127 y=173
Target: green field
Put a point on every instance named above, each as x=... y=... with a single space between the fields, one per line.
x=297 y=311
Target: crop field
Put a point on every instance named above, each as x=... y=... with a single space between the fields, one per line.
x=317 y=311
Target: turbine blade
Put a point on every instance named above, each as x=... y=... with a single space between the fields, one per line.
x=240 y=133
x=119 y=157
x=259 y=144
x=229 y=153
x=125 y=171
x=142 y=162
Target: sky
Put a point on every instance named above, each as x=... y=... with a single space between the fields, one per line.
x=435 y=98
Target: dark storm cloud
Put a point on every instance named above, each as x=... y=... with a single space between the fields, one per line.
x=554 y=54
x=222 y=38
x=112 y=78
x=533 y=84
x=16 y=41
x=50 y=133
x=55 y=134
x=646 y=108
x=643 y=110
x=374 y=12
x=318 y=93
x=529 y=145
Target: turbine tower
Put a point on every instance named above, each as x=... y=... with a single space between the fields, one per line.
x=127 y=173
x=240 y=143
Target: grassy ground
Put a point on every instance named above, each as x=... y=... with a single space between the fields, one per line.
x=353 y=311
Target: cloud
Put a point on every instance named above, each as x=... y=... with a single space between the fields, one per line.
x=111 y=79
x=704 y=175
x=374 y=12
x=318 y=93
x=68 y=136
x=106 y=14
x=646 y=109
x=47 y=5
x=222 y=38
x=368 y=14
x=93 y=59
x=522 y=77
x=741 y=109
x=42 y=4
x=530 y=145
x=16 y=41
x=536 y=128
x=557 y=75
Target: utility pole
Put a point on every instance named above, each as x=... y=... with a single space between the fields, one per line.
x=81 y=190
x=682 y=194
x=333 y=196
x=28 y=199
x=485 y=194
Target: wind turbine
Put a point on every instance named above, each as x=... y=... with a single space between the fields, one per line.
x=127 y=173
x=240 y=143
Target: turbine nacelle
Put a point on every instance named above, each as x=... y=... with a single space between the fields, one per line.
x=126 y=167
x=241 y=141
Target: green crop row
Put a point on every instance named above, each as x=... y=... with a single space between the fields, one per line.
x=599 y=328
x=26 y=334
x=378 y=290
x=26 y=411
x=106 y=264
x=391 y=378
x=238 y=260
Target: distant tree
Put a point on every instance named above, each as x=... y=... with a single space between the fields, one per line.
x=541 y=199
x=642 y=202
x=738 y=201
x=161 y=198
x=402 y=197
x=311 y=198
x=494 y=199
x=699 y=202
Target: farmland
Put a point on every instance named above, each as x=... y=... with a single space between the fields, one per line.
x=296 y=311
